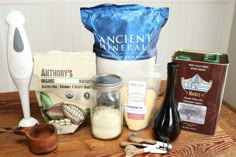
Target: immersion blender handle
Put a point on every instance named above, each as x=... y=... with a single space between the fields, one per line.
x=20 y=60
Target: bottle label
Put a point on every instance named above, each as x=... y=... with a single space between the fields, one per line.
x=136 y=107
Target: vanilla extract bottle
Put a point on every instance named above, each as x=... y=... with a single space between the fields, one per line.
x=167 y=120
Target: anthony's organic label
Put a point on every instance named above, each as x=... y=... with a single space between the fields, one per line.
x=199 y=89
x=62 y=85
x=56 y=72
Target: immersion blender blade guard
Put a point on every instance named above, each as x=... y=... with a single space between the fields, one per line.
x=20 y=62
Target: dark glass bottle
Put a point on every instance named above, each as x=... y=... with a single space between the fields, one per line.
x=167 y=121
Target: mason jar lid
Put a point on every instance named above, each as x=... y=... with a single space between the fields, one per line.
x=106 y=81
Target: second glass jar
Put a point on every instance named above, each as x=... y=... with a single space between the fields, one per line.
x=106 y=113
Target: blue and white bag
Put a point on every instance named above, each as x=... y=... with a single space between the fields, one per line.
x=125 y=35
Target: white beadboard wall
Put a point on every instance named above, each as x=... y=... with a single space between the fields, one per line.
x=56 y=25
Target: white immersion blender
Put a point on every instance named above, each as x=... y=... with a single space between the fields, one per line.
x=20 y=62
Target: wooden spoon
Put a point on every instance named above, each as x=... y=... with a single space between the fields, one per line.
x=133 y=137
x=125 y=143
x=131 y=151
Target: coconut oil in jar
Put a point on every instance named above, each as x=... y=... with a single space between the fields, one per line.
x=106 y=115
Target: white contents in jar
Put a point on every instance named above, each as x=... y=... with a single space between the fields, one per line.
x=106 y=122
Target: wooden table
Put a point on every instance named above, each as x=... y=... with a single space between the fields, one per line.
x=82 y=144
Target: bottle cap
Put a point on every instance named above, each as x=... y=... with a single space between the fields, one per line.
x=212 y=58
x=183 y=57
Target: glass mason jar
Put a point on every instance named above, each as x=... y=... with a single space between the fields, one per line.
x=106 y=113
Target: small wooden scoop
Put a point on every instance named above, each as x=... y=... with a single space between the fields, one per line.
x=42 y=138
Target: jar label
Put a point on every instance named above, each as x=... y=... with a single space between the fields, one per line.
x=136 y=107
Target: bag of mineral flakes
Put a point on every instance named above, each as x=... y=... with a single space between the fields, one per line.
x=62 y=86
x=125 y=35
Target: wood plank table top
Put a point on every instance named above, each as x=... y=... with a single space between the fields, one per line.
x=83 y=144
